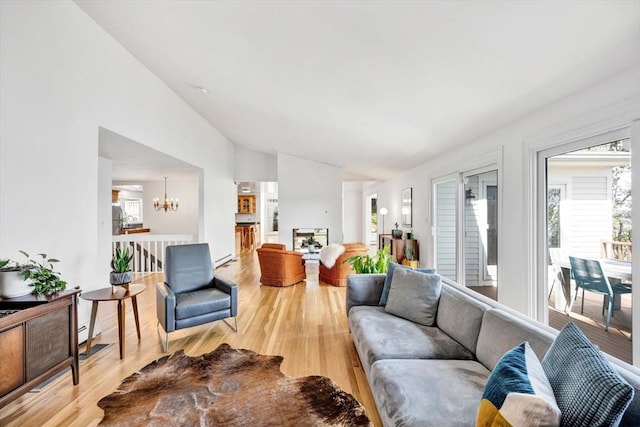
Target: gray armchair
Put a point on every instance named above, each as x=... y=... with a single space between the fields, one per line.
x=190 y=294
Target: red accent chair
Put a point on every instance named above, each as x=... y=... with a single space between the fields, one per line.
x=278 y=266
x=337 y=275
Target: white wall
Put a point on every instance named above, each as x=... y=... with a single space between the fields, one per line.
x=255 y=166
x=352 y=212
x=578 y=114
x=61 y=78
x=309 y=196
x=182 y=221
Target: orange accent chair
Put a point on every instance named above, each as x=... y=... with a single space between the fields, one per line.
x=337 y=275
x=280 y=267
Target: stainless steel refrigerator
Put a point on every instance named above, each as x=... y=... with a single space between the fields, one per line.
x=116 y=220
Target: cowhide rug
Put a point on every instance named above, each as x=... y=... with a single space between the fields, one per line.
x=227 y=387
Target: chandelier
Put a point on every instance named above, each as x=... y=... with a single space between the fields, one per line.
x=168 y=204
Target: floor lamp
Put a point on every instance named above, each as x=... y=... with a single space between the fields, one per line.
x=383 y=212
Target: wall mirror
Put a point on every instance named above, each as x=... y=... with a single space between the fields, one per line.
x=406 y=207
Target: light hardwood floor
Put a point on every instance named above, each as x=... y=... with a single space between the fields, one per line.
x=304 y=323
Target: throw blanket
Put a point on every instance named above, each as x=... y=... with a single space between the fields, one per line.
x=330 y=253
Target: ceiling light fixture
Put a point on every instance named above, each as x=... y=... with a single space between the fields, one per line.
x=168 y=204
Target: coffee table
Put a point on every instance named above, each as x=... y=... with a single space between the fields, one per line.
x=120 y=294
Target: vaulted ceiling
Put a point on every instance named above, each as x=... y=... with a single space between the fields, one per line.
x=372 y=86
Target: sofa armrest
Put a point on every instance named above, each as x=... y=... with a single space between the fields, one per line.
x=228 y=287
x=364 y=289
x=166 y=307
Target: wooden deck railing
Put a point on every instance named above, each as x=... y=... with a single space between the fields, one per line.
x=616 y=250
x=148 y=249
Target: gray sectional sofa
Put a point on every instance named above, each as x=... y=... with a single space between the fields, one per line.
x=435 y=376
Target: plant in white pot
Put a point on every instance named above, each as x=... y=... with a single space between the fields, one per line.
x=12 y=285
x=43 y=278
x=121 y=267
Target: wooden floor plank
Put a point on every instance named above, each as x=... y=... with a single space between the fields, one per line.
x=305 y=323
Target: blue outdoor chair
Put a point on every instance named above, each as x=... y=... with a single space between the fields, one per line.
x=589 y=276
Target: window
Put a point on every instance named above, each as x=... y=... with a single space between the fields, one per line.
x=131 y=209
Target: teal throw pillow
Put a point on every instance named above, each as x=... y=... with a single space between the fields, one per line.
x=588 y=390
x=518 y=393
x=387 y=280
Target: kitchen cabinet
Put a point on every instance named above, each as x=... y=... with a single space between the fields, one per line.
x=247 y=204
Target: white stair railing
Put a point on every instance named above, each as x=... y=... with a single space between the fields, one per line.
x=148 y=249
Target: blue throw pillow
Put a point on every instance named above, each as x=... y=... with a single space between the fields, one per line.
x=518 y=393
x=588 y=390
x=387 y=280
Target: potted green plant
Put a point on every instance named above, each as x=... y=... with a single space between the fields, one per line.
x=44 y=279
x=311 y=243
x=366 y=264
x=12 y=285
x=121 y=267
x=408 y=260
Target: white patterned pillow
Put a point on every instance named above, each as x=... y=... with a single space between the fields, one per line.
x=330 y=253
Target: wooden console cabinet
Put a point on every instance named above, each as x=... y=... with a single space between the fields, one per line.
x=36 y=342
x=397 y=247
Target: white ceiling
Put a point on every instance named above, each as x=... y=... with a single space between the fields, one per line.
x=135 y=162
x=374 y=87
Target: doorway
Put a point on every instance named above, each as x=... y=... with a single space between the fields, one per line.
x=588 y=216
x=371 y=219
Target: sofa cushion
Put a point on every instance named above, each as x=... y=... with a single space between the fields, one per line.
x=414 y=296
x=501 y=331
x=191 y=304
x=378 y=335
x=428 y=392
x=518 y=393
x=389 y=277
x=588 y=390
x=460 y=316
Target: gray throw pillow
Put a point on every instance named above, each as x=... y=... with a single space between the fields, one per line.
x=387 y=280
x=588 y=390
x=414 y=296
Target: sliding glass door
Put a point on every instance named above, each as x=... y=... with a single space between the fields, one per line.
x=445 y=226
x=465 y=221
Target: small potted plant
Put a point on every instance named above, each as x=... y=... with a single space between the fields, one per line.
x=12 y=285
x=44 y=279
x=311 y=243
x=408 y=260
x=121 y=267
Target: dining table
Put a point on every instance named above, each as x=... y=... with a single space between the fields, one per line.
x=616 y=270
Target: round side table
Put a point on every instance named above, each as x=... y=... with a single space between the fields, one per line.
x=119 y=294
